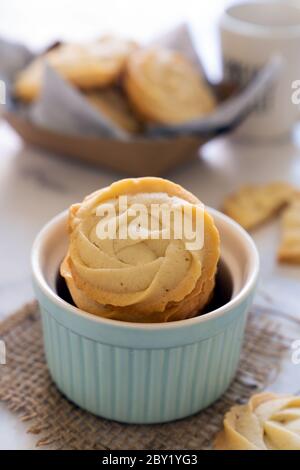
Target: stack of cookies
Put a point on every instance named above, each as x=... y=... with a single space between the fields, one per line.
x=150 y=278
x=131 y=86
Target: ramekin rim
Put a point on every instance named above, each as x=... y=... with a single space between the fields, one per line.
x=219 y=312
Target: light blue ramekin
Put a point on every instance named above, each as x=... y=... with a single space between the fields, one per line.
x=139 y=373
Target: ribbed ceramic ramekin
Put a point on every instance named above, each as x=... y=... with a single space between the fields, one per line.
x=139 y=373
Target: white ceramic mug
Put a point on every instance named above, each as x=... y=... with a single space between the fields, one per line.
x=252 y=33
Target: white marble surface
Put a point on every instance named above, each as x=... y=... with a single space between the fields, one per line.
x=34 y=185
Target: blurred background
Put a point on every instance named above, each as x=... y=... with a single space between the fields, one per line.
x=38 y=23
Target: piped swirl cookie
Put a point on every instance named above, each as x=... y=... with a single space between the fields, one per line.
x=165 y=88
x=87 y=66
x=150 y=276
x=266 y=422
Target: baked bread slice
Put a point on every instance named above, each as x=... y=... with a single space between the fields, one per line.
x=87 y=66
x=289 y=249
x=113 y=104
x=165 y=88
x=252 y=205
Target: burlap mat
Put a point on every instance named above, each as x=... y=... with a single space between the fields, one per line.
x=26 y=388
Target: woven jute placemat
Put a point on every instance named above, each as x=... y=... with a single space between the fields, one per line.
x=27 y=389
